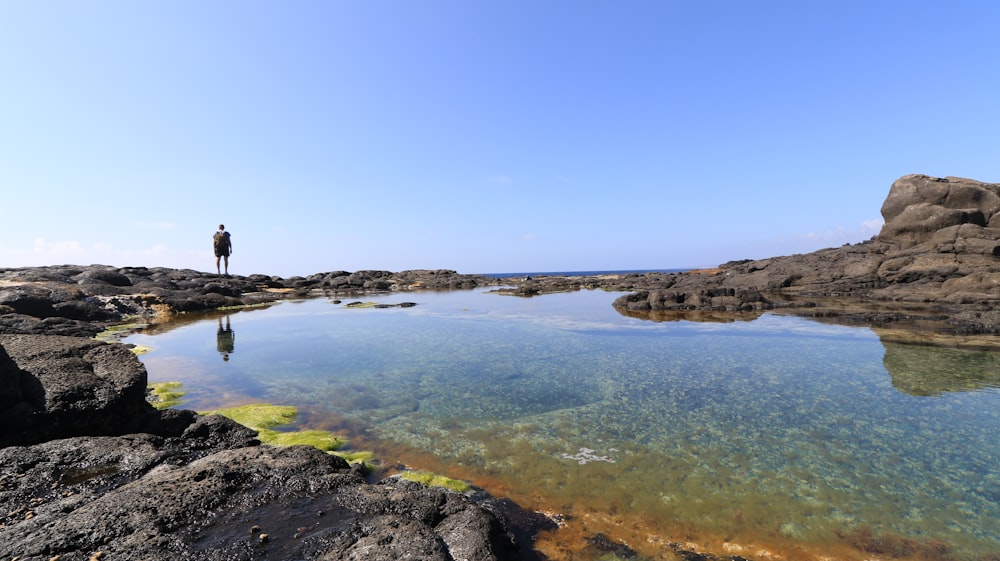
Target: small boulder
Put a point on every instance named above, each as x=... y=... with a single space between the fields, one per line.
x=60 y=387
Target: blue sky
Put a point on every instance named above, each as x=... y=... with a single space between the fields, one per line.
x=482 y=136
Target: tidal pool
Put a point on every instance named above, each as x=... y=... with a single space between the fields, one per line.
x=778 y=437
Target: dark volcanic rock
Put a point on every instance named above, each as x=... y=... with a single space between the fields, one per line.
x=56 y=387
x=38 y=300
x=107 y=276
x=343 y=282
x=25 y=324
x=246 y=503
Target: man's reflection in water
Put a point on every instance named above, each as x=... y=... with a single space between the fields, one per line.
x=225 y=339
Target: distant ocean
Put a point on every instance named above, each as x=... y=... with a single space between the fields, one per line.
x=580 y=273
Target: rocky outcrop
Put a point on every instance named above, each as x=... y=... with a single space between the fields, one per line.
x=935 y=262
x=88 y=468
x=82 y=301
x=58 y=387
x=343 y=282
x=935 y=259
x=138 y=497
x=919 y=207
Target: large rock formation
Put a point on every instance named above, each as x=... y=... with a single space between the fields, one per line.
x=936 y=258
x=919 y=208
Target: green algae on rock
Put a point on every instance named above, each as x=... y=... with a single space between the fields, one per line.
x=362 y=457
x=263 y=417
x=141 y=349
x=433 y=480
x=116 y=332
x=164 y=395
x=258 y=416
x=324 y=440
x=380 y=305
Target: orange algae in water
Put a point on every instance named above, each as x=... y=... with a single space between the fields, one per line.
x=584 y=513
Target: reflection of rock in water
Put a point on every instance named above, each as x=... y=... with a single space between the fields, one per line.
x=701 y=316
x=928 y=370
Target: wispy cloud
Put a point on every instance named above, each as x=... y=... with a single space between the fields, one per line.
x=843 y=234
x=49 y=252
x=57 y=248
x=868 y=227
x=528 y=237
x=873 y=226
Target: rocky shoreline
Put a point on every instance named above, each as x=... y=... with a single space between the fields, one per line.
x=932 y=272
x=90 y=470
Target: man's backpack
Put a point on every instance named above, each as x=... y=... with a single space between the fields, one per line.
x=221 y=242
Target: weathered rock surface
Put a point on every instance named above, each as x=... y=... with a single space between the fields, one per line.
x=56 y=387
x=138 y=497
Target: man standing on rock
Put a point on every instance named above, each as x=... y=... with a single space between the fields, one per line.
x=223 y=248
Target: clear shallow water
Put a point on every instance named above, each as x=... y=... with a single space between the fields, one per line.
x=778 y=430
